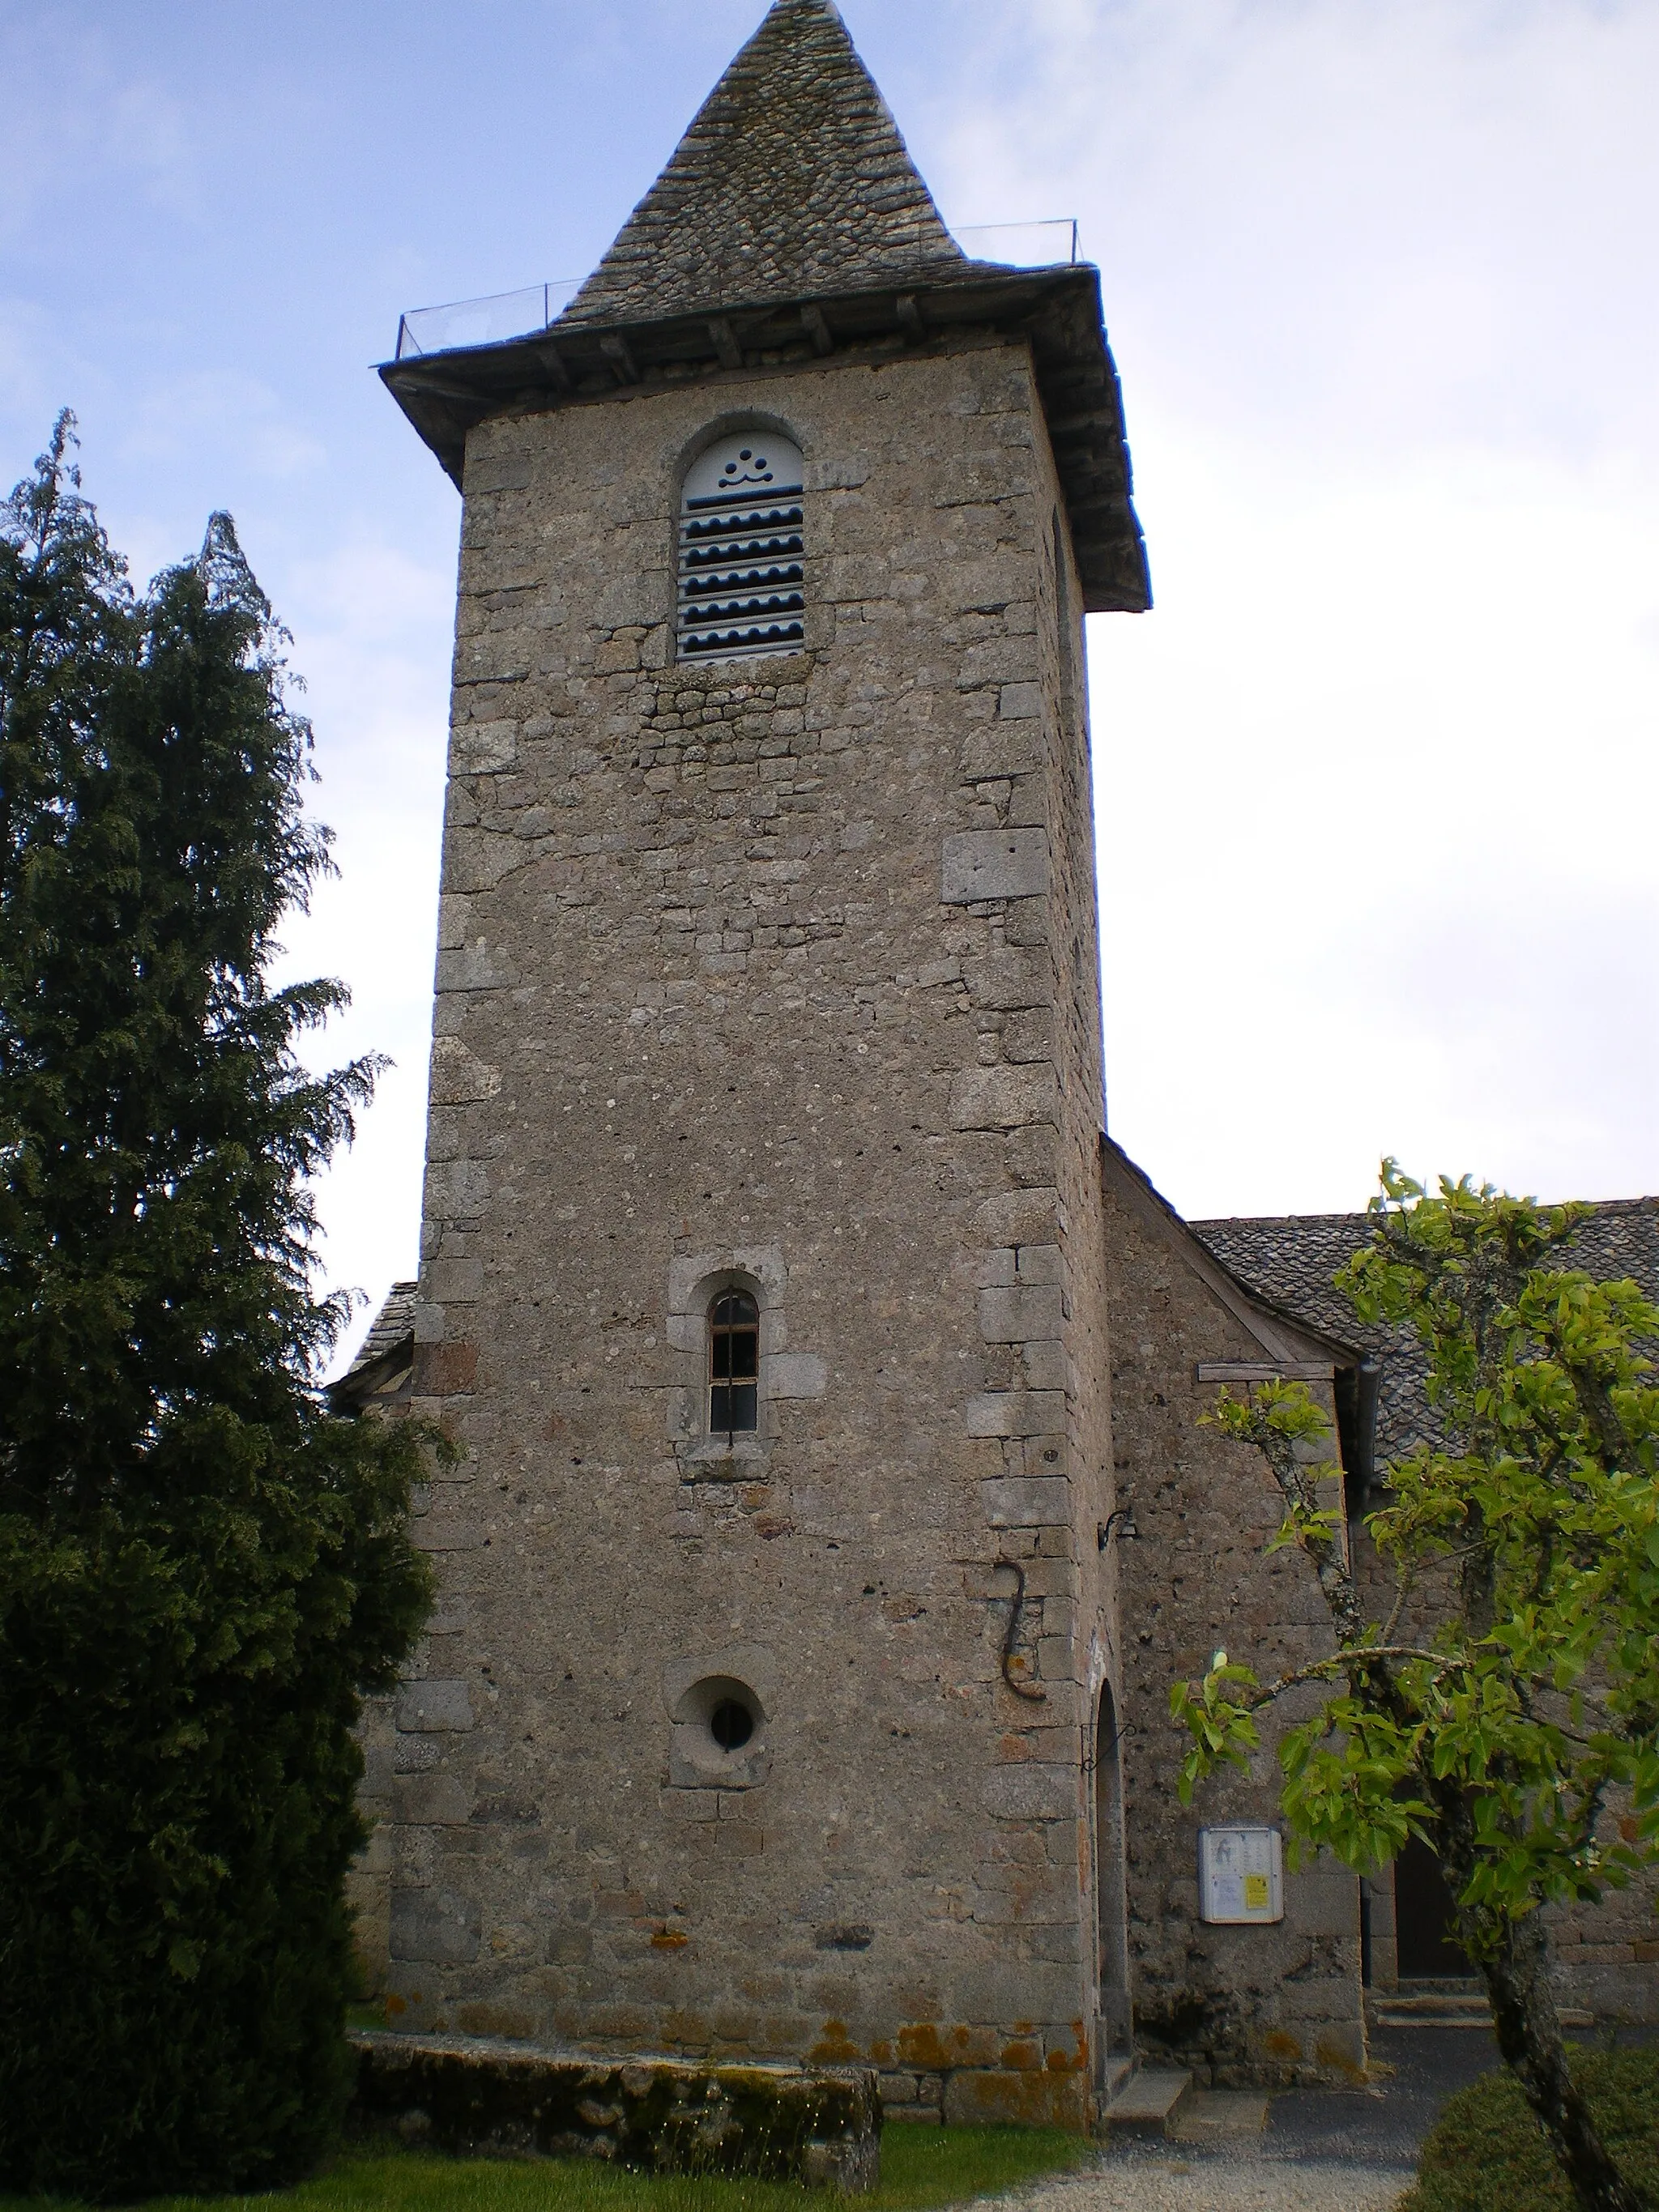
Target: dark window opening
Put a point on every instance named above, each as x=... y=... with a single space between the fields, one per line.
x=734 y=1365
x=1356 y=1391
x=730 y=1724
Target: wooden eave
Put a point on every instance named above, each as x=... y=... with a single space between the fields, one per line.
x=361 y=1386
x=446 y=395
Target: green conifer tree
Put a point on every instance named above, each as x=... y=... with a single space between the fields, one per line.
x=201 y=1570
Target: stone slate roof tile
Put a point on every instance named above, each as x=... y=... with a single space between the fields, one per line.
x=390 y=1330
x=792 y=183
x=1290 y=1262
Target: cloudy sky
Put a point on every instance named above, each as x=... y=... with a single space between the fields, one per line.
x=1375 y=781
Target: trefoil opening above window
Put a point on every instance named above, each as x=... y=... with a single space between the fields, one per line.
x=742 y=550
x=733 y=1365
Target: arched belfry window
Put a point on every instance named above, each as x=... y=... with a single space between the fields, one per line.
x=743 y=547
x=733 y=1365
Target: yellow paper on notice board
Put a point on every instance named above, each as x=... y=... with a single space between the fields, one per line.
x=1257 y=1897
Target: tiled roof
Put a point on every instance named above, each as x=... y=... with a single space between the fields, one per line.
x=1290 y=1262
x=392 y=1327
x=792 y=183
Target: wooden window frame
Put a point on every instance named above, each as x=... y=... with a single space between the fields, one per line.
x=734 y=1381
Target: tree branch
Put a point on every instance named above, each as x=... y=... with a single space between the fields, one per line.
x=1352 y=1658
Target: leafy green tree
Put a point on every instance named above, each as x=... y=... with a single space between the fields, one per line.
x=1510 y=1696
x=201 y=1571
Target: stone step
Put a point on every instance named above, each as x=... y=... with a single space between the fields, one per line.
x=1117 y=2071
x=1391 y=2016
x=1424 y=2008
x=1451 y=2008
x=1147 y=2102
x=1417 y=2004
x=1220 y=2116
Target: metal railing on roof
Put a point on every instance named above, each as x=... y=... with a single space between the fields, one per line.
x=1021 y=244
x=488 y=321
x=503 y=316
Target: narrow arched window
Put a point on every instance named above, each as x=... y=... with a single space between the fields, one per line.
x=733 y=1365
x=742 y=550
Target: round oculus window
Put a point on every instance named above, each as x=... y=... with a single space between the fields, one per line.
x=730 y=1724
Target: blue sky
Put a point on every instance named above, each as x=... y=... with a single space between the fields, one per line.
x=1376 y=780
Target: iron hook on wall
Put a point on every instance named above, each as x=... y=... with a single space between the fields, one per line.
x=1030 y=1691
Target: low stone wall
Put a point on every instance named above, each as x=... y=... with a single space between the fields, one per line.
x=477 y=2099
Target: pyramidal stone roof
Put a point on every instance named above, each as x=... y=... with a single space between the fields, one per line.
x=792 y=183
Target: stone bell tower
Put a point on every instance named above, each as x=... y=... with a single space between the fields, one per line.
x=763 y=1272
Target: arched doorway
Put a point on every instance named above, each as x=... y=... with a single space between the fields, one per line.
x=1113 y=2038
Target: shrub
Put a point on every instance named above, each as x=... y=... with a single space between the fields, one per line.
x=1487 y=2152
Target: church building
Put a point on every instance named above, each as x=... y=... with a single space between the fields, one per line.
x=831 y=1515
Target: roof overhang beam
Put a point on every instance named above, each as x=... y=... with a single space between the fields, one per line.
x=1057 y=311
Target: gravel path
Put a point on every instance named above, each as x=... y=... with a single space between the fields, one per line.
x=1149 y=2182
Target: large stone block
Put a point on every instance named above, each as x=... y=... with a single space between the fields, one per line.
x=1004 y=749
x=796 y=1375
x=433 y=1801
x=448 y=1532
x=1027 y=1502
x=456 y=1282
x=1323 y=1899
x=995 y=864
x=1015 y=1217
x=459 y=1078
x=1021 y=1316
x=1003 y=1098
x=439 y=1927
x=435 y=1708
x=484 y=748
x=497 y=470
x=1017 y=1414
x=1029 y=1792
x=1019 y=1990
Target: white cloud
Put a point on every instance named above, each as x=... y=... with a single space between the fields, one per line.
x=1377 y=778
x=175 y=418
x=78 y=121
x=1326 y=218
x=372 y=628
x=145 y=134
x=26 y=371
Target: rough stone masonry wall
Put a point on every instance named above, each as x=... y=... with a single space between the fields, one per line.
x=749 y=970
x=1254 y=2004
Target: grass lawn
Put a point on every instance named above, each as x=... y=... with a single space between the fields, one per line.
x=1487 y=2153
x=921 y=2168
